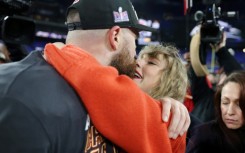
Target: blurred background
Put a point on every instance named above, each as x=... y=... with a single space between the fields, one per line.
x=174 y=19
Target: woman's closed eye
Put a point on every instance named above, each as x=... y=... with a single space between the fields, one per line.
x=224 y=102
x=151 y=63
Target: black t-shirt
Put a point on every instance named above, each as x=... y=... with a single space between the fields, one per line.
x=39 y=111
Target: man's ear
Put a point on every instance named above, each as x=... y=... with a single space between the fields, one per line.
x=114 y=37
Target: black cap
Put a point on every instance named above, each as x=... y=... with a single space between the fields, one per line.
x=104 y=14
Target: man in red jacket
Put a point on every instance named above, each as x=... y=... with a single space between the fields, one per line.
x=110 y=39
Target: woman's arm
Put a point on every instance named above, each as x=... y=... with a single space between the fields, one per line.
x=118 y=108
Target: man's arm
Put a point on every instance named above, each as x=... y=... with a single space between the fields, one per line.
x=20 y=130
x=118 y=108
x=180 y=121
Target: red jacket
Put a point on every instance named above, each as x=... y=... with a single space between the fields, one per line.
x=119 y=109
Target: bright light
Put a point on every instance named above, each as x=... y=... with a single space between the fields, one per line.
x=244 y=50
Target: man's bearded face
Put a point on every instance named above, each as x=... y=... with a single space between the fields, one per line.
x=124 y=63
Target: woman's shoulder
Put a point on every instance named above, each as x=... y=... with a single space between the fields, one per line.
x=207 y=128
x=204 y=138
x=208 y=132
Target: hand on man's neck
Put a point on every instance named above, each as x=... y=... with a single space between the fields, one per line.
x=59 y=45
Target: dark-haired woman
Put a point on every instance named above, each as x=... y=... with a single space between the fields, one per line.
x=227 y=133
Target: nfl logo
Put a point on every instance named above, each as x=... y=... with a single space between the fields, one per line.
x=120 y=16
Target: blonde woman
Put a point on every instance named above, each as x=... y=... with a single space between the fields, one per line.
x=160 y=72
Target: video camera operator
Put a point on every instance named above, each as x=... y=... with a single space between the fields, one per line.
x=210 y=34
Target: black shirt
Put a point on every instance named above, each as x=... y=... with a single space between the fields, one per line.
x=39 y=111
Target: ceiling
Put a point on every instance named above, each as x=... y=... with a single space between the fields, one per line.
x=173 y=7
x=162 y=10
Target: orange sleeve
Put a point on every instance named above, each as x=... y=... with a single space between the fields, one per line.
x=118 y=108
x=179 y=144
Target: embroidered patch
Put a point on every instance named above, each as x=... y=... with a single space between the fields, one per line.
x=120 y=16
x=96 y=143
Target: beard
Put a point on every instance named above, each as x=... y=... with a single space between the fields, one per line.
x=124 y=63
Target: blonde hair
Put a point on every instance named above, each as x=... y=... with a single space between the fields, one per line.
x=174 y=79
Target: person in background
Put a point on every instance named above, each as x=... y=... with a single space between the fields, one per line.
x=40 y=112
x=4 y=54
x=226 y=134
x=201 y=88
x=188 y=102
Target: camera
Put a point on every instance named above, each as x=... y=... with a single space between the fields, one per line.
x=210 y=30
x=17 y=30
x=14 y=28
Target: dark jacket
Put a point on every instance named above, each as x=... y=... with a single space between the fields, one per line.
x=39 y=110
x=210 y=138
x=194 y=123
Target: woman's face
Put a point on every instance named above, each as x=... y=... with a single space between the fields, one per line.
x=149 y=71
x=230 y=109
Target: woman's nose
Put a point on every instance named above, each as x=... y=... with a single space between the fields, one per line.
x=230 y=110
x=138 y=63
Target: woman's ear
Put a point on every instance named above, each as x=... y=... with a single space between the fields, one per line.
x=114 y=37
